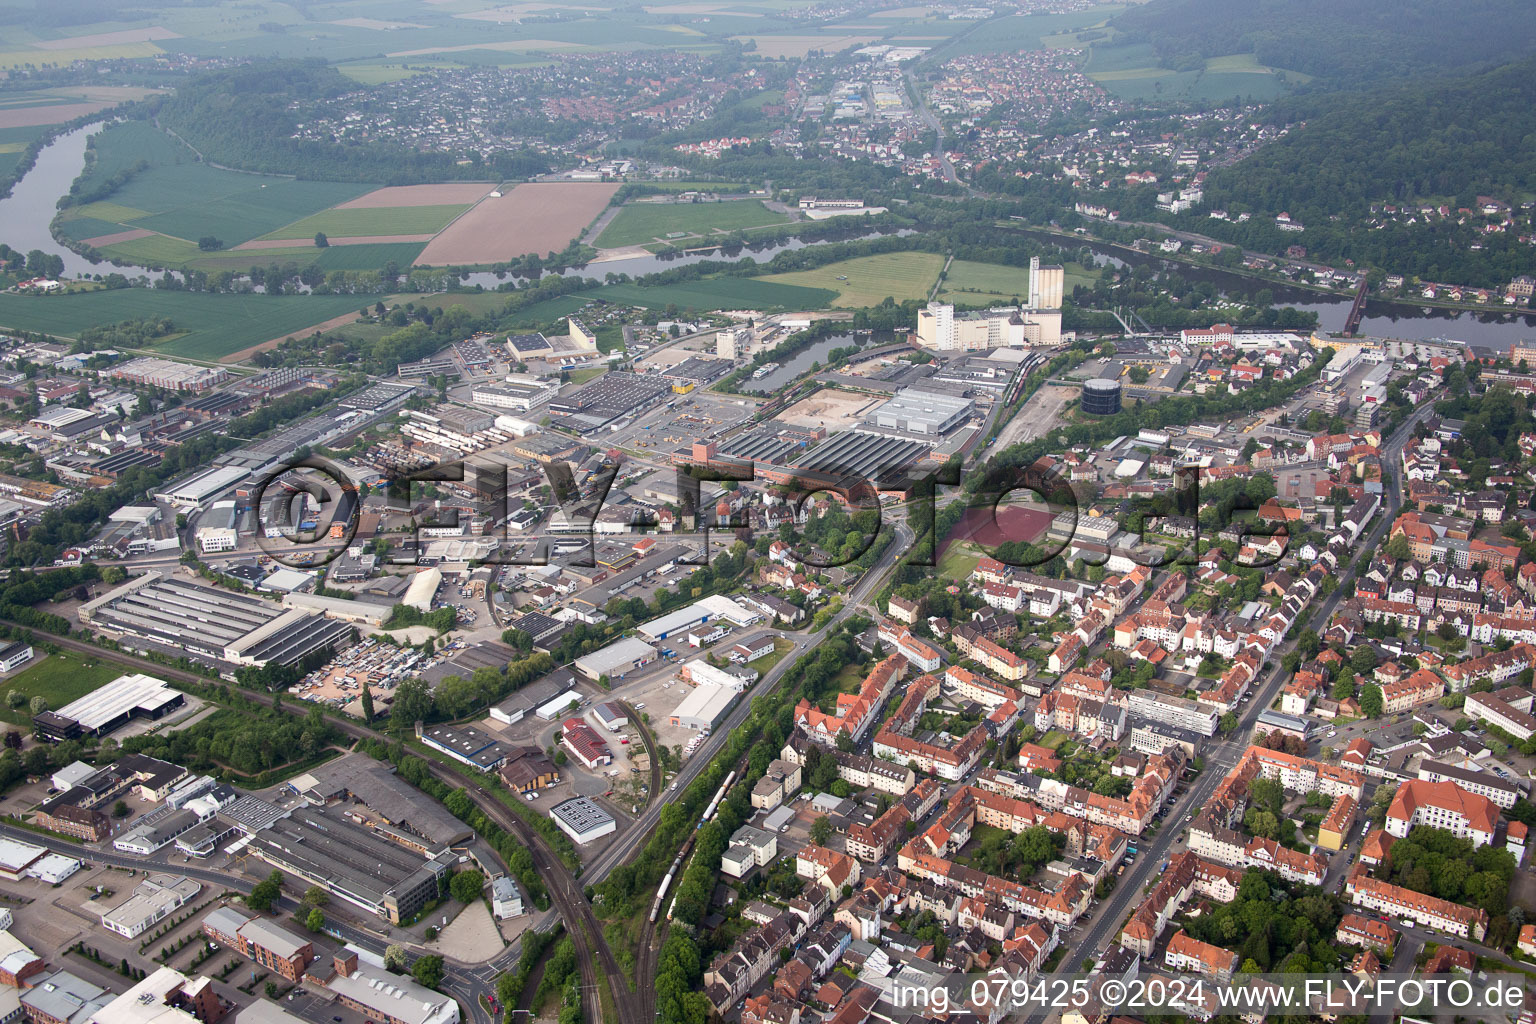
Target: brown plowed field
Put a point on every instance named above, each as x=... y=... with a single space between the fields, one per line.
x=58 y=113
x=121 y=236
x=538 y=217
x=454 y=193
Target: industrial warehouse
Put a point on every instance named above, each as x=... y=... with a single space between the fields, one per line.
x=174 y=615
x=109 y=707
x=361 y=865
x=608 y=398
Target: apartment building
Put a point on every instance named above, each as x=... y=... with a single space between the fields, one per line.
x=1443 y=805
x=1429 y=911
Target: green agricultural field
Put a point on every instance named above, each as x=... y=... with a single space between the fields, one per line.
x=870 y=279
x=240 y=260
x=369 y=257
x=59 y=679
x=257 y=207
x=212 y=325
x=154 y=251
x=87 y=227
x=396 y=220
x=719 y=293
x=1019 y=32
x=979 y=284
x=644 y=223
x=180 y=198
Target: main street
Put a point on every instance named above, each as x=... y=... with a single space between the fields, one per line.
x=1087 y=940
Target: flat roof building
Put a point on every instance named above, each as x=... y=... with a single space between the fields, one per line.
x=375 y=785
x=111 y=706
x=923 y=412
x=583 y=820
x=174 y=614
x=203 y=487
x=703 y=707
x=355 y=863
x=153 y=900
x=466 y=744
x=616 y=660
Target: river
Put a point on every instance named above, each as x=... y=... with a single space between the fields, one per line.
x=800 y=363
x=1495 y=329
x=27 y=212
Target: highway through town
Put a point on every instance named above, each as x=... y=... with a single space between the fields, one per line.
x=1097 y=931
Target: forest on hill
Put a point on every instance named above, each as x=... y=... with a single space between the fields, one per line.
x=1341 y=43
x=1444 y=141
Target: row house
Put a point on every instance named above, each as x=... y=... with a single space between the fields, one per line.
x=1003 y=596
x=1405 y=614
x=1355 y=930
x=919 y=655
x=1226 y=846
x=737 y=970
x=872 y=842
x=951 y=762
x=1420 y=688
x=1490 y=627
x=1080 y=716
x=1147 y=922
x=855 y=712
x=827 y=868
x=860 y=771
x=1303 y=775
x=1186 y=953
x=963 y=684
x=1429 y=911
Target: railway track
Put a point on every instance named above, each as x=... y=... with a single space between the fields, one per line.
x=565 y=894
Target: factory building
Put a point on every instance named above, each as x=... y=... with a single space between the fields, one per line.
x=361 y=865
x=172 y=614
x=919 y=411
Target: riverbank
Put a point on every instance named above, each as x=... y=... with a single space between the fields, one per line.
x=1270 y=278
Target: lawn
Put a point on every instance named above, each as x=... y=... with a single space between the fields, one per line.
x=642 y=223
x=959 y=560
x=870 y=279
x=214 y=325
x=58 y=679
x=1053 y=739
x=719 y=293
x=396 y=220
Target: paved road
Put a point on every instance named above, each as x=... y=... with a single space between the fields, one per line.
x=1104 y=924
x=162 y=861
